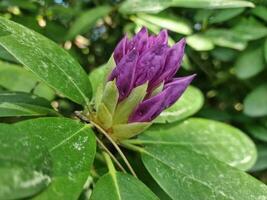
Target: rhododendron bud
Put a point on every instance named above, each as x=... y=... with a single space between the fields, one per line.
x=141 y=85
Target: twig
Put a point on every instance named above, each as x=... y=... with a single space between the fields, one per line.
x=116 y=147
x=110 y=154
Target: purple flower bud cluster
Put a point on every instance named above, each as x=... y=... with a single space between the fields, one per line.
x=148 y=59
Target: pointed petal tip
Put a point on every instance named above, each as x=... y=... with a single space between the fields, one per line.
x=181 y=43
x=185 y=81
x=191 y=77
x=143 y=30
x=164 y=31
x=188 y=79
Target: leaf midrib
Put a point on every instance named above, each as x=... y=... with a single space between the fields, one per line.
x=114 y=178
x=68 y=138
x=185 y=175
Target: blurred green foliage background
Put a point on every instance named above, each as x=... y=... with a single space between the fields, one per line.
x=227 y=48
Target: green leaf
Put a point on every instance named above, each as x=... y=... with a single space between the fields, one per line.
x=140 y=23
x=261 y=163
x=261 y=12
x=87 y=20
x=23 y=104
x=21 y=97
x=224 y=54
x=217 y=16
x=154 y=6
x=189 y=103
x=265 y=50
x=250 y=29
x=226 y=38
x=120 y=186
x=25 y=167
x=186 y=174
x=168 y=22
x=212 y=138
x=200 y=42
x=220 y=16
x=3 y=31
x=243 y=67
x=4 y=55
x=257 y=131
x=47 y=60
x=72 y=148
x=25 y=4
x=16 y=78
x=255 y=102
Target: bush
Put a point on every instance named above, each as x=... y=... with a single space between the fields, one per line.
x=61 y=135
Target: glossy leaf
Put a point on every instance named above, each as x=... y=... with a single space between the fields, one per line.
x=226 y=38
x=257 y=131
x=220 y=16
x=261 y=163
x=154 y=6
x=4 y=55
x=24 y=104
x=261 y=12
x=87 y=20
x=265 y=50
x=244 y=68
x=168 y=22
x=72 y=148
x=47 y=60
x=189 y=103
x=255 y=102
x=16 y=78
x=25 y=167
x=224 y=54
x=25 y=4
x=143 y=23
x=200 y=42
x=250 y=29
x=208 y=137
x=186 y=174
x=120 y=186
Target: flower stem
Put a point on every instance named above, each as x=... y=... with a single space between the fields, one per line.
x=110 y=154
x=116 y=147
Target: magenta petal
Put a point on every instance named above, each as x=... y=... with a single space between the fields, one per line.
x=120 y=49
x=174 y=58
x=150 y=63
x=139 y=41
x=161 y=38
x=151 y=108
x=124 y=73
x=176 y=88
